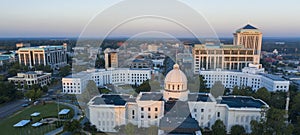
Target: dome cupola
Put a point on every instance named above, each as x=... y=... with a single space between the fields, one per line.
x=175 y=84
x=176 y=80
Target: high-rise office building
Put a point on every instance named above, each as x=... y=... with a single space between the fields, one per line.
x=111 y=58
x=54 y=56
x=245 y=50
x=249 y=37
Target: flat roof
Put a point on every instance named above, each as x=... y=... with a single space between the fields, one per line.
x=77 y=75
x=41 y=47
x=154 y=96
x=273 y=77
x=204 y=97
x=108 y=99
x=242 y=102
x=64 y=111
x=22 y=123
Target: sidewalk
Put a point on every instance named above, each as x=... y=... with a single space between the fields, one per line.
x=75 y=117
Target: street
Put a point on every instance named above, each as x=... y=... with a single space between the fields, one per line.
x=10 y=108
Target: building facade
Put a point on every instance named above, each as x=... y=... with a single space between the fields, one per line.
x=75 y=84
x=30 y=78
x=54 y=56
x=252 y=76
x=111 y=58
x=174 y=109
x=245 y=50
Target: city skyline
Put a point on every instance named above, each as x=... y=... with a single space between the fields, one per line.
x=61 y=19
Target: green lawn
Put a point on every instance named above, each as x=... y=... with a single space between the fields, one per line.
x=47 y=110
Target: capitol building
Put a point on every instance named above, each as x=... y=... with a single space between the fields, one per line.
x=174 y=110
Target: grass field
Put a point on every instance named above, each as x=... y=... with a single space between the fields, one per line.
x=47 y=110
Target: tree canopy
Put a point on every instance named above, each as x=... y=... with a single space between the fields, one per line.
x=8 y=92
x=144 y=87
x=34 y=93
x=218 y=128
x=217 y=89
x=203 y=86
x=237 y=130
x=72 y=126
x=64 y=71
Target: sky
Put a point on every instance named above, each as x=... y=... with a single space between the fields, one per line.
x=69 y=18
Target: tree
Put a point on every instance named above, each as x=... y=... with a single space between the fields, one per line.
x=8 y=92
x=72 y=126
x=235 y=90
x=129 y=129
x=45 y=89
x=33 y=94
x=202 y=87
x=276 y=122
x=277 y=99
x=217 y=89
x=144 y=87
x=257 y=128
x=19 y=85
x=244 y=91
x=263 y=94
x=237 y=130
x=64 y=71
x=218 y=128
x=25 y=86
x=100 y=62
x=89 y=127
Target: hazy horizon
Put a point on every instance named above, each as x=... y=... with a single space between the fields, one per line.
x=56 y=18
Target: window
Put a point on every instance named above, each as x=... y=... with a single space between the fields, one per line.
x=218 y=114
x=149 y=109
x=202 y=110
x=142 y=116
x=156 y=109
x=149 y=116
x=142 y=109
x=132 y=112
x=195 y=109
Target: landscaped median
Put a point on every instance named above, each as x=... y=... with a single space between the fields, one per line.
x=48 y=111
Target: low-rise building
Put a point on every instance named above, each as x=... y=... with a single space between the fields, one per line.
x=30 y=78
x=252 y=76
x=101 y=77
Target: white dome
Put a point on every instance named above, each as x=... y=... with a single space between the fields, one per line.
x=176 y=80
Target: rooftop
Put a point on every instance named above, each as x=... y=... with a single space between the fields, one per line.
x=248 y=26
x=203 y=97
x=273 y=77
x=154 y=96
x=117 y=100
x=242 y=102
x=41 y=47
x=177 y=118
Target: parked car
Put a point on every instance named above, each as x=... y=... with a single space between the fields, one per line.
x=25 y=105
